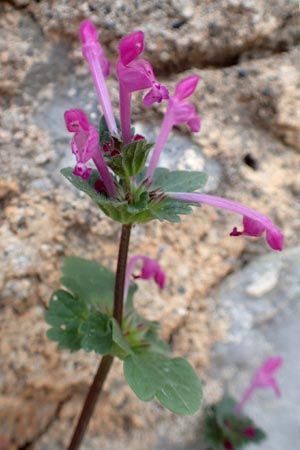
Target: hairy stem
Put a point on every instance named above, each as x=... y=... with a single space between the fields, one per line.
x=106 y=361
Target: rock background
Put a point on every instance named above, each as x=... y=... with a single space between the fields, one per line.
x=247 y=54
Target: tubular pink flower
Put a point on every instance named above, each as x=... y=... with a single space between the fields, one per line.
x=85 y=146
x=254 y=222
x=263 y=378
x=178 y=111
x=135 y=75
x=150 y=269
x=99 y=66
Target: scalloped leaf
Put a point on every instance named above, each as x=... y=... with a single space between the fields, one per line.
x=97 y=334
x=172 y=381
x=66 y=314
x=178 y=180
x=89 y=281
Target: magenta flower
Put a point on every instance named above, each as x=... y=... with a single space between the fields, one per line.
x=150 y=269
x=179 y=111
x=99 y=66
x=255 y=224
x=134 y=75
x=85 y=146
x=263 y=378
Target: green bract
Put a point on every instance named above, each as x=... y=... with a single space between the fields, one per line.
x=80 y=316
x=143 y=203
x=131 y=160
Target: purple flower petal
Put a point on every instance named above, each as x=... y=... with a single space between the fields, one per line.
x=186 y=87
x=254 y=223
x=131 y=46
x=150 y=269
x=179 y=111
x=85 y=146
x=263 y=378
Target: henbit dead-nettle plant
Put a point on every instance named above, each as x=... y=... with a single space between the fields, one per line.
x=94 y=311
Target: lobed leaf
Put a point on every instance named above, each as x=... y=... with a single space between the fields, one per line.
x=178 y=180
x=89 y=281
x=172 y=381
x=66 y=314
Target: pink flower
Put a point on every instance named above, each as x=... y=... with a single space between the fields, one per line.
x=255 y=224
x=134 y=75
x=85 y=146
x=263 y=378
x=179 y=111
x=150 y=269
x=99 y=66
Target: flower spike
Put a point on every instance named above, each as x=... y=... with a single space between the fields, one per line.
x=263 y=378
x=85 y=146
x=178 y=111
x=150 y=269
x=254 y=223
x=135 y=75
x=94 y=55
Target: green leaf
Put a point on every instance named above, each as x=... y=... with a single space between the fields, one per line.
x=97 y=334
x=121 y=347
x=135 y=156
x=142 y=210
x=103 y=131
x=178 y=180
x=89 y=281
x=172 y=381
x=169 y=209
x=66 y=315
x=131 y=160
x=119 y=210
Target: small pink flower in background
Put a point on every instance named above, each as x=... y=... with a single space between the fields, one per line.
x=178 y=111
x=135 y=75
x=254 y=222
x=263 y=378
x=85 y=146
x=99 y=66
x=150 y=269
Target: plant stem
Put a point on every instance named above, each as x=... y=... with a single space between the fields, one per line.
x=106 y=361
x=121 y=272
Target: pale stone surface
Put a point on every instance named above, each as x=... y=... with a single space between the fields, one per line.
x=249 y=144
x=260 y=327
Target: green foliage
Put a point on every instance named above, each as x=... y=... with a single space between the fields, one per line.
x=178 y=180
x=97 y=333
x=172 y=381
x=104 y=132
x=143 y=206
x=169 y=209
x=89 y=281
x=65 y=315
x=131 y=160
x=223 y=427
x=80 y=316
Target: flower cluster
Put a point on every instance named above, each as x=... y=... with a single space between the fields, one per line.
x=135 y=74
